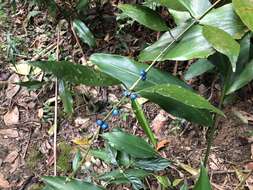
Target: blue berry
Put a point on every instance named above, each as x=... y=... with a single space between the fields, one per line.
x=133 y=96
x=105 y=126
x=126 y=93
x=144 y=77
x=143 y=72
x=99 y=122
x=115 y=112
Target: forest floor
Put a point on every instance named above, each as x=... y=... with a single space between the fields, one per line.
x=26 y=116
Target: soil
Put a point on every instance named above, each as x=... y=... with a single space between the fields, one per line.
x=26 y=146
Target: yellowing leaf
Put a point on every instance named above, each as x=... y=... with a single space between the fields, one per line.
x=82 y=141
x=22 y=69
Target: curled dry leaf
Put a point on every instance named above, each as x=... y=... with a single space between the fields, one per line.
x=161 y=144
x=12 y=89
x=12 y=133
x=159 y=122
x=11 y=157
x=12 y=117
x=4 y=183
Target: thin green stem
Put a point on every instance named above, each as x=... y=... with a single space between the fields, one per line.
x=212 y=130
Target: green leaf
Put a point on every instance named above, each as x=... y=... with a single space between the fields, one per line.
x=31 y=85
x=128 y=71
x=181 y=103
x=223 y=43
x=66 y=97
x=154 y=164
x=164 y=181
x=143 y=121
x=198 y=68
x=180 y=17
x=172 y=4
x=76 y=161
x=135 y=146
x=196 y=7
x=203 y=180
x=47 y=187
x=225 y=19
x=184 y=187
x=200 y=48
x=182 y=95
x=82 y=4
x=75 y=73
x=120 y=177
x=242 y=79
x=63 y=183
x=123 y=158
x=84 y=33
x=244 y=8
x=101 y=154
x=144 y=16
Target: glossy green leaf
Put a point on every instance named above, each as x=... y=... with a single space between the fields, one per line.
x=242 y=79
x=196 y=7
x=66 y=97
x=76 y=161
x=154 y=164
x=123 y=158
x=171 y=4
x=225 y=19
x=118 y=177
x=143 y=121
x=198 y=68
x=200 y=48
x=203 y=182
x=128 y=71
x=181 y=103
x=75 y=73
x=223 y=43
x=180 y=17
x=101 y=154
x=135 y=182
x=144 y=16
x=63 y=183
x=182 y=95
x=84 y=33
x=244 y=8
x=47 y=187
x=133 y=145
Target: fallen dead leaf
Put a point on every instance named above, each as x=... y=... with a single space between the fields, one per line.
x=22 y=68
x=159 y=122
x=15 y=165
x=82 y=141
x=12 y=117
x=249 y=166
x=12 y=89
x=11 y=157
x=13 y=133
x=79 y=121
x=40 y=113
x=3 y=182
x=161 y=144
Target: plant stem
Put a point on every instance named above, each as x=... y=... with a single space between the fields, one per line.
x=213 y=129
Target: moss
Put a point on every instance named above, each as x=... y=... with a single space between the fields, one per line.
x=64 y=157
x=33 y=158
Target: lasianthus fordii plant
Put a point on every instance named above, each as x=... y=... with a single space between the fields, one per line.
x=217 y=36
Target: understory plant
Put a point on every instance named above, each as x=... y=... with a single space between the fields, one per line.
x=217 y=37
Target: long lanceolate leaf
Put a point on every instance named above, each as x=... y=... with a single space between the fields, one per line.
x=223 y=43
x=223 y=18
x=74 y=73
x=244 y=8
x=143 y=121
x=181 y=103
x=144 y=16
x=128 y=71
x=63 y=183
x=203 y=182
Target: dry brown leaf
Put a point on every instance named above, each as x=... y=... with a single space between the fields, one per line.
x=82 y=141
x=12 y=89
x=15 y=165
x=11 y=157
x=40 y=113
x=3 y=182
x=12 y=117
x=13 y=133
x=162 y=144
x=159 y=122
x=249 y=166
